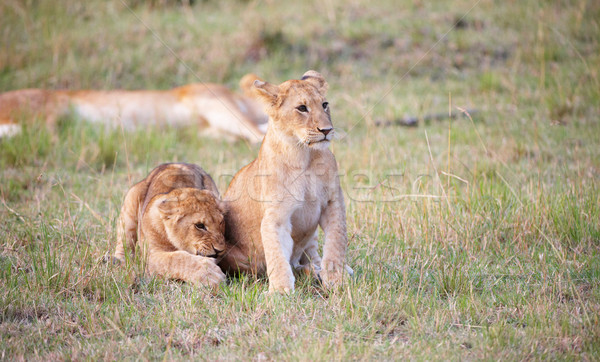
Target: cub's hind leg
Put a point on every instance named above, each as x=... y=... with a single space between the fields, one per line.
x=127 y=224
x=310 y=260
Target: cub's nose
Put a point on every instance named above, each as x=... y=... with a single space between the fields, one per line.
x=219 y=248
x=325 y=131
x=217 y=251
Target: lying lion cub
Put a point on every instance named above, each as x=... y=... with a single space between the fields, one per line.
x=213 y=108
x=276 y=203
x=176 y=217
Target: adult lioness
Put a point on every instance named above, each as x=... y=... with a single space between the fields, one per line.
x=276 y=202
x=176 y=217
x=214 y=108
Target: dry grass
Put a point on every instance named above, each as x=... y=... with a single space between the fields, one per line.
x=471 y=239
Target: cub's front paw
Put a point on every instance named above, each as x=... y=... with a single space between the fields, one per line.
x=208 y=273
x=280 y=289
x=333 y=274
x=282 y=284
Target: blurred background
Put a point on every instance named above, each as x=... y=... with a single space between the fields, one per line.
x=383 y=60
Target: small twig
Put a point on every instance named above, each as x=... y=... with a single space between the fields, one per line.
x=413 y=121
x=468 y=113
x=19 y=216
x=454 y=176
x=466 y=325
x=94 y=213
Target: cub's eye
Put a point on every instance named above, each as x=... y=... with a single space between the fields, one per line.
x=302 y=108
x=325 y=105
x=200 y=226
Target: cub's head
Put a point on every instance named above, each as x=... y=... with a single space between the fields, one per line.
x=193 y=220
x=298 y=109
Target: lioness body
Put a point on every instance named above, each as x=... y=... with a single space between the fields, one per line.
x=176 y=218
x=214 y=108
x=276 y=203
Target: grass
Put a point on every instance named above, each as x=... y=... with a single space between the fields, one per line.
x=471 y=238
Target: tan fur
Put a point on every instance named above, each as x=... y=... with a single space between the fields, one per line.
x=176 y=217
x=214 y=108
x=276 y=203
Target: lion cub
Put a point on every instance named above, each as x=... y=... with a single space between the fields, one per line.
x=177 y=218
x=277 y=202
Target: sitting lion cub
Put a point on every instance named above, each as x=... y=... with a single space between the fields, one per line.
x=176 y=217
x=276 y=203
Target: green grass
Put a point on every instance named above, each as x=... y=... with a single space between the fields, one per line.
x=470 y=239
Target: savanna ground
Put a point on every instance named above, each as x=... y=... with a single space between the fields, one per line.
x=470 y=238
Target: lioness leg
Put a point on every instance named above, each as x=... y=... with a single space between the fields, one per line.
x=185 y=266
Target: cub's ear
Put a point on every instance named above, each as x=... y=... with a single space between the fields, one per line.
x=207 y=195
x=265 y=91
x=168 y=207
x=222 y=206
x=316 y=79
